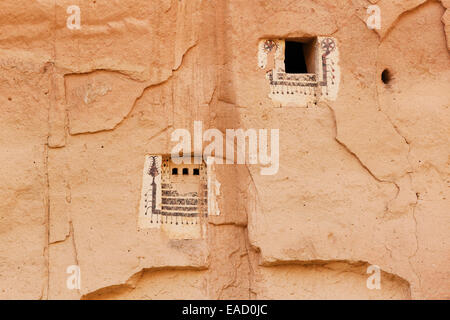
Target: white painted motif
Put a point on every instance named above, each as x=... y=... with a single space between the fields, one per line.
x=302 y=89
x=176 y=198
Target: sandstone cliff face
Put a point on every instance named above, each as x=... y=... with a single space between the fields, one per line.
x=363 y=178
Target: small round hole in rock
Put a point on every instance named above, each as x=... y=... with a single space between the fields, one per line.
x=386 y=76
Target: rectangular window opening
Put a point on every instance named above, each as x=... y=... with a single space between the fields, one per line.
x=299 y=57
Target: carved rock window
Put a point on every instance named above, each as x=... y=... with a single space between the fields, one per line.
x=300 y=72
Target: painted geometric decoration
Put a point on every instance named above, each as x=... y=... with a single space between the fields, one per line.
x=302 y=89
x=174 y=197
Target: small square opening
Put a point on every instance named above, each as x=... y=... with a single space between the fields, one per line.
x=174 y=171
x=297 y=57
x=196 y=172
x=185 y=171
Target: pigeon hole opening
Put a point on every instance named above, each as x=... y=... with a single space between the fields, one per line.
x=386 y=76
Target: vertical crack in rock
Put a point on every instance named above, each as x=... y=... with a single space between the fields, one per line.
x=417 y=242
x=46 y=148
x=410 y=170
x=251 y=262
x=74 y=245
x=47 y=207
x=384 y=113
x=413 y=205
x=360 y=161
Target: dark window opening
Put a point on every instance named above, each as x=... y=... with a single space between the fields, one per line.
x=174 y=171
x=196 y=172
x=386 y=76
x=294 y=57
x=185 y=171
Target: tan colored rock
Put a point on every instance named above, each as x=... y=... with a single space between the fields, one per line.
x=301 y=282
x=99 y=101
x=446 y=21
x=363 y=178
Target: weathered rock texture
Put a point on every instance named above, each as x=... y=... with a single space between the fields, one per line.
x=363 y=180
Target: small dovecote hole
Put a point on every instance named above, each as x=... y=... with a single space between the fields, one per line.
x=386 y=76
x=196 y=172
x=185 y=171
x=174 y=171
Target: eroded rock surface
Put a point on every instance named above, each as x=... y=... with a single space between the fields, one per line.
x=363 y=178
